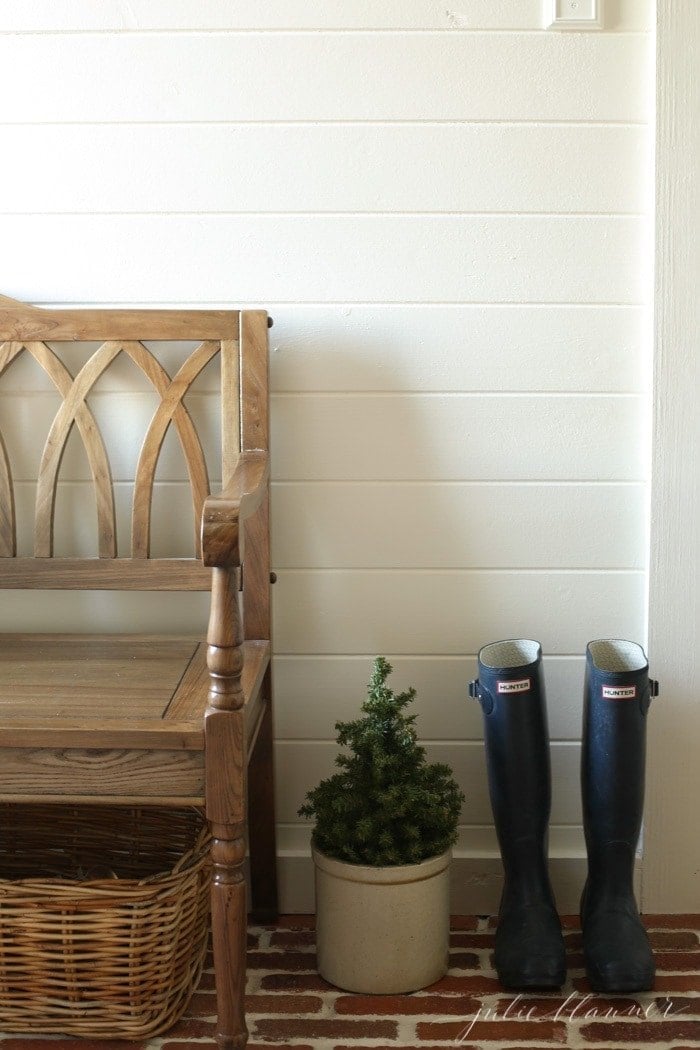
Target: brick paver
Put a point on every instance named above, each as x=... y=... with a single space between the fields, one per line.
x=289 y=1005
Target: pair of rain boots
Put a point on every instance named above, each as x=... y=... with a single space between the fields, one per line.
x=529 y=945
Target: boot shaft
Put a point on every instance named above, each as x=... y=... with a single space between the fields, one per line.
x=510 y=689
x=617 y=694
x=529 y=949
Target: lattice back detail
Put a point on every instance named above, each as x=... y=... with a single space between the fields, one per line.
x=74 y=410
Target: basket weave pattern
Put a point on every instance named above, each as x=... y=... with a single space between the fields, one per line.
x=103 y=918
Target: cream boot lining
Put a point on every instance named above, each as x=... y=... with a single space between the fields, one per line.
x=514 y=652
x=614 y=654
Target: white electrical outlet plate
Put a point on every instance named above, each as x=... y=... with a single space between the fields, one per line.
x=574 y=14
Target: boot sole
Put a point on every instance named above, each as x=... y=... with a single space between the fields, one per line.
x=643 y=982
x=515 y=983
x=620 y=985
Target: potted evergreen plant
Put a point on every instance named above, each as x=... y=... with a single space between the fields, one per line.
x=381 y=846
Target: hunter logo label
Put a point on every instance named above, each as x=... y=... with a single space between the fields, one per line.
x=521 y=686
x=619 y=692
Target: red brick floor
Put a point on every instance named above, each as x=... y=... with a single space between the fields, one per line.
x=289 y=1005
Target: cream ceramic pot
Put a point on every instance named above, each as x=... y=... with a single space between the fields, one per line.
x=382 y=930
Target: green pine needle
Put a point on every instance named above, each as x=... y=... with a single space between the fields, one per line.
x=386 y=805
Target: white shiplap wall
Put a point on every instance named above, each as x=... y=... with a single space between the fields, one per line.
x=445 y=210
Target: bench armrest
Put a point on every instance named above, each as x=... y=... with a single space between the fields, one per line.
x=222 y=513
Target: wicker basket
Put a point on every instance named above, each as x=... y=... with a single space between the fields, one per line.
x=103 y=918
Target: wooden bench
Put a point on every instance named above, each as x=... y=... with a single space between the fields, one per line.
x=152 y=720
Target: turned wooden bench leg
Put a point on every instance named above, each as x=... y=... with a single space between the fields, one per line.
x=225 y=789
x=229 y=933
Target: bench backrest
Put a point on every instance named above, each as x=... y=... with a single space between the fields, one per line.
x=237 y=339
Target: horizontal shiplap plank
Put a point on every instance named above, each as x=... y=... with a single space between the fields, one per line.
x=473 y=526
x=300 y=258
x=428 y=348
x=447 y=612
x=401 y=76
x=441 y=438
x=313 y=692
x=122 y=376
x=458 y=348
x=301 y=765
x=74 y=15
x=75 y=524
x=123 y=421
x=565 y=840
x=350 y=167
x=106 y=612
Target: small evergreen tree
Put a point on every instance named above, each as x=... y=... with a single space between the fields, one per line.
x=388 y=805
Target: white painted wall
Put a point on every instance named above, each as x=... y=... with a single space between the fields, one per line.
x=446 y=212
x=671 y=876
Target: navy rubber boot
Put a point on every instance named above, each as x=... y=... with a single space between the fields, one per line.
x=617 y=695
x=510 y=688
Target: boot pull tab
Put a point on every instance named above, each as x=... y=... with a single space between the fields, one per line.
x=485 y=699
x=648 y=695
